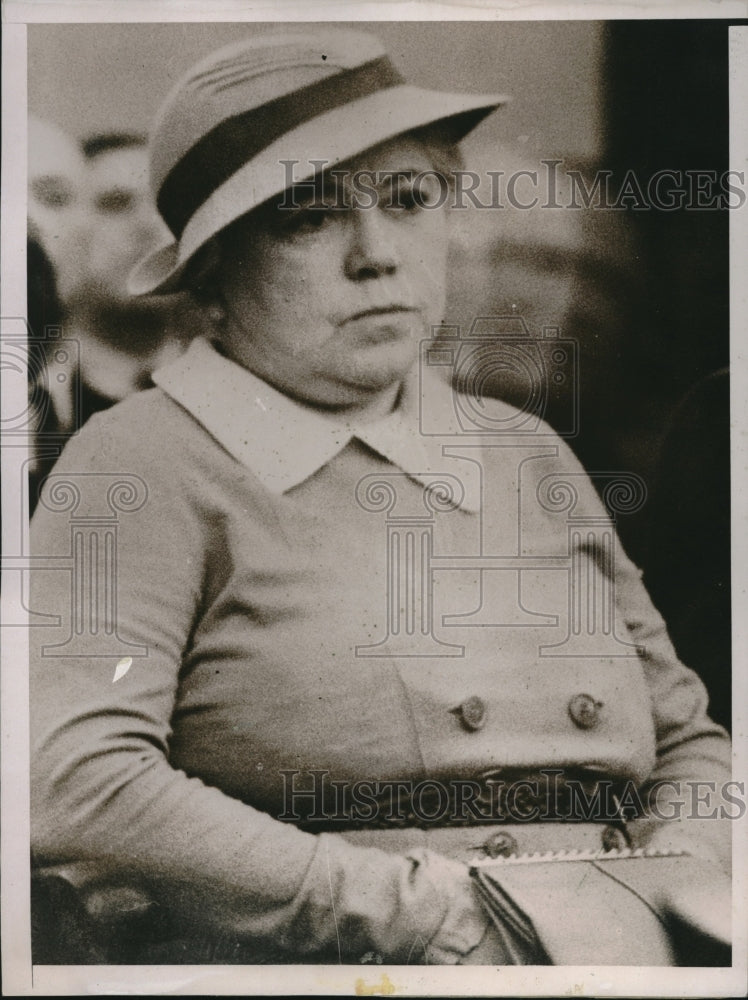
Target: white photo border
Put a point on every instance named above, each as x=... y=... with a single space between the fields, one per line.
x=20 y=979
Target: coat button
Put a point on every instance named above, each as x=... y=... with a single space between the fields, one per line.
x=585 y=711
x=500 y=845
x=614 y=839
x=473 y=713
x=524 y=803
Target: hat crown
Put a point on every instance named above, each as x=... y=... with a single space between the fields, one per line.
x=233 y=124
x=247 y=75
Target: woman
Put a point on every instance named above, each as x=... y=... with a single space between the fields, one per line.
x=279 y=721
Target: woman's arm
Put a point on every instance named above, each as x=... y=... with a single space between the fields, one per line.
x=693 y=766
x=103 y=790
x=693 y=754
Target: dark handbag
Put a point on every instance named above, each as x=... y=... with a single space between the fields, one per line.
x=609 y=908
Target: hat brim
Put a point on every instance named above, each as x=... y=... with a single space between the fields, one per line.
x=333 y=137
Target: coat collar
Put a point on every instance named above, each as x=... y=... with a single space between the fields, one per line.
x=284 y=442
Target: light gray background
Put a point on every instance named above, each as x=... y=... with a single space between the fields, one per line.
x=102 y=77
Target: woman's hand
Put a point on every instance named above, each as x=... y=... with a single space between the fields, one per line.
x=490 y=950
x=701 y=899
x=500 y=947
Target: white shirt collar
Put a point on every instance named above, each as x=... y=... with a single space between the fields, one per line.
x=283 y=441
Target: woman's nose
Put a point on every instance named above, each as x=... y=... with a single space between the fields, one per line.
x=372 y=251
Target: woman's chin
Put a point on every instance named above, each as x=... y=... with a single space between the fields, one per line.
x=376 y=379
x=355 y=389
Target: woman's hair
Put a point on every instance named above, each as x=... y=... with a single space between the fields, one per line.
x=200 y=276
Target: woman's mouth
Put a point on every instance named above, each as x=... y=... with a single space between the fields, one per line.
x=374 y=311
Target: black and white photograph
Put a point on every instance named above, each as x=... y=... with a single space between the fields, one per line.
x=373 y=524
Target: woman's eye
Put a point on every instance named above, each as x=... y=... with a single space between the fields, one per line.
x=115 y=202
x=306 y=220
x=52 y=192
x=410 y=196
x=410 y=199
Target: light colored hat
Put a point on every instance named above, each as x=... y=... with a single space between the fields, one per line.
x=222 y=134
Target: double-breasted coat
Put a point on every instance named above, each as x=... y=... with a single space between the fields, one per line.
x=289 y=673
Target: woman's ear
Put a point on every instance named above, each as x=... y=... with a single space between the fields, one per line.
x=215 y=312
x=202 y=280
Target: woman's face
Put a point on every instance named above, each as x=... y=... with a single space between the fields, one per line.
x=329 y=304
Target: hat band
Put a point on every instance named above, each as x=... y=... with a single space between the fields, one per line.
x=228 y=146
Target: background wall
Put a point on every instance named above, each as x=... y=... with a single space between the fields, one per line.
x=95 y=77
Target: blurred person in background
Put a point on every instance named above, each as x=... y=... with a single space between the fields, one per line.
x=56 y=180
x=56 y=250
x=122 y=340
x=44 y=316
x=91 y=217
x=123 y=217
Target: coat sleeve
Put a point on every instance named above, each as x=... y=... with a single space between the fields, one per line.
x=103 y=789
x=683 y=794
